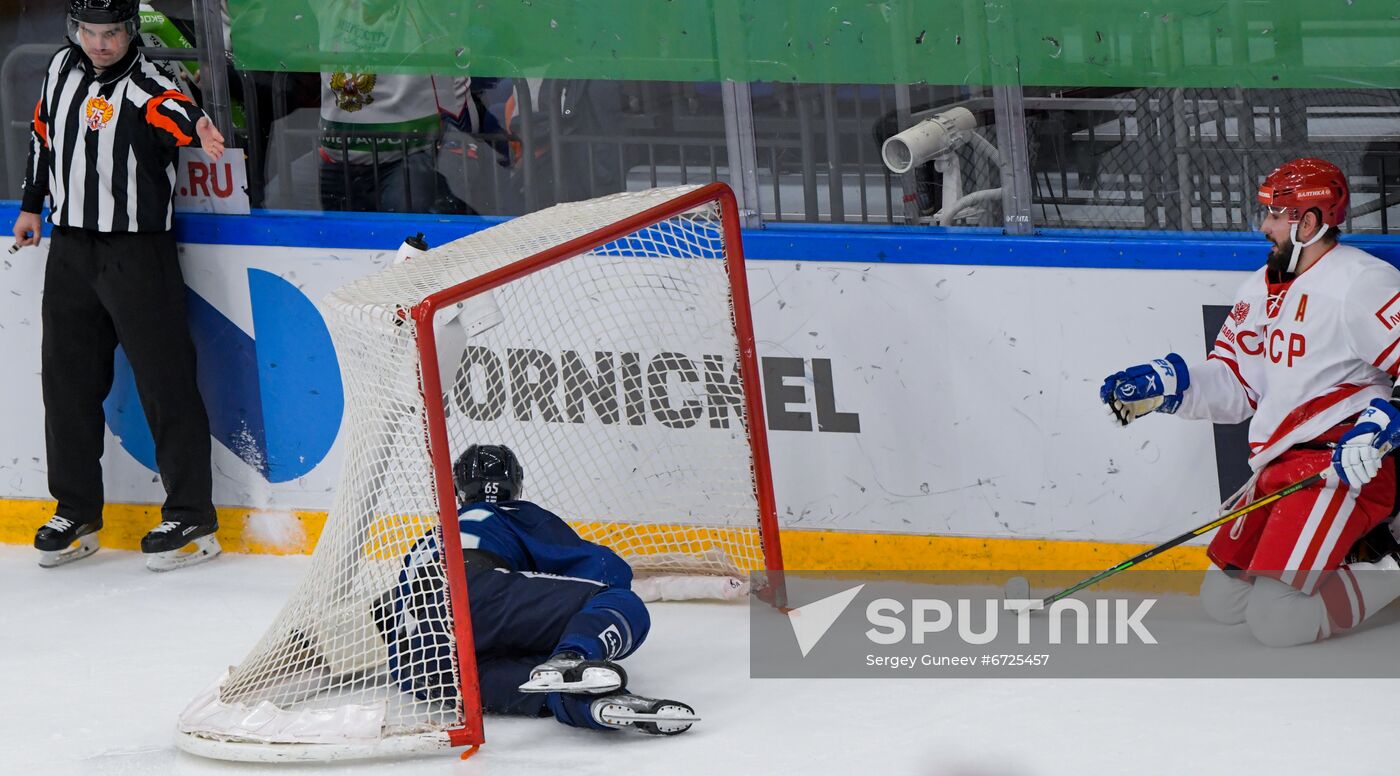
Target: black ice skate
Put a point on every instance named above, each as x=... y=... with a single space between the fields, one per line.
x=55 y=541
x=1380 y=542
x=645 y=715
x=165 y=543
x=569 y=672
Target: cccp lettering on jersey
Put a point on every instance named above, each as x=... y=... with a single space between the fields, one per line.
x=1283 y=347
x=1250 y=342
x=1296 y=348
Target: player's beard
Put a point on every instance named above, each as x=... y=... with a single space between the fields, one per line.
x=1279 y=255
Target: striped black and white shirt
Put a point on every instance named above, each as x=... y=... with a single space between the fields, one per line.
x=103 y=147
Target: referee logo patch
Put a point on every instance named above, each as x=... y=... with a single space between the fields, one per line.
x=98 y=113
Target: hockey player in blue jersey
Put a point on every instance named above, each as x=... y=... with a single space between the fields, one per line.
x=551 y=613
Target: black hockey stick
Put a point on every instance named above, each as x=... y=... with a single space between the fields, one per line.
x=1189 y=535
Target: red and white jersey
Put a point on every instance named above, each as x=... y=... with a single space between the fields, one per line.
x=1302 y=357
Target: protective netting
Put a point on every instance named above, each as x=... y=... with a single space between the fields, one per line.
x=1191 y=159
x=614 y=377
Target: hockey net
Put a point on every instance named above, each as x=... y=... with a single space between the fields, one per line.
x=606 y=342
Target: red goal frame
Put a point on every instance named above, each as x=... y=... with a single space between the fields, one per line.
x=472 y=732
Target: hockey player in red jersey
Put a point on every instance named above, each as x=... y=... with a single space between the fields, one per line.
x=1310 y=354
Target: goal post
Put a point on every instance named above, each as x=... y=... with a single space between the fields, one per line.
x=609 y=343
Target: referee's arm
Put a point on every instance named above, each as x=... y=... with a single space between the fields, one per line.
x=177 y=121
x=36 y=175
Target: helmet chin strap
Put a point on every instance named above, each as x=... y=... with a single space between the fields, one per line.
x=1298 y=247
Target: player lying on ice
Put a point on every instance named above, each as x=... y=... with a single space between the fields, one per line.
x=1310 y=353
x=551 y=613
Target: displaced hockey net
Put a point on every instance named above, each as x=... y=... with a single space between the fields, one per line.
x=606 y=342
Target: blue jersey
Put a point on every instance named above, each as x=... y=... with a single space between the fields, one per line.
x=529 y=537
x=556 y=592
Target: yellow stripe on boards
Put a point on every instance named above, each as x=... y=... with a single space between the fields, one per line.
x=264 y=532
x=839 y=550
x=247 y=530
x=829 y=550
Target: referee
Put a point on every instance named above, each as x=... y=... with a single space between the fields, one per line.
x=106 y=132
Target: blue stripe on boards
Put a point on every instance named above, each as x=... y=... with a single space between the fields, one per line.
x=1237 y=251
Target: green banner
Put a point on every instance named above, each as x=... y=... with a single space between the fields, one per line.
x=1189 y=43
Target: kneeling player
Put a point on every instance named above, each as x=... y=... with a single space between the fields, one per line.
x=1315 y=378
x=550 y=612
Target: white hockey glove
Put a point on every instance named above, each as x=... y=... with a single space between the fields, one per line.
x=1138 y=390
x=1357 y=459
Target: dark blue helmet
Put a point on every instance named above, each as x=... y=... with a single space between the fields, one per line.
x=488 y=473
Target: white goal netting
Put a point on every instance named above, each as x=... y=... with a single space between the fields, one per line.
x=613 y=374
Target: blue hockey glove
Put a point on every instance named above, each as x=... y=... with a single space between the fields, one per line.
x=1357 y=459
x=1138 y=390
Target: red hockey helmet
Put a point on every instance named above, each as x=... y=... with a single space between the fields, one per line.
x=1303 y=184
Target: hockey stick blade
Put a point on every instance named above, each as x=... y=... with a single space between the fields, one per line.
x=1189 y=535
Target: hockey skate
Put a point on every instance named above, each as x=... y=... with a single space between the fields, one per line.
x=645 y=715
x=55 y=541
x=1380 y=542
x=164 y=545
x=569 y=672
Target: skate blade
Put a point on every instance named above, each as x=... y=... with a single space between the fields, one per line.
x=84 y=547
x=594 y=682
x=206 y=548
x=620 y=716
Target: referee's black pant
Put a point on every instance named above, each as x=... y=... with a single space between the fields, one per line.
x=102 y=289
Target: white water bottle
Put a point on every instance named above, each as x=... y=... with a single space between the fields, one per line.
x=412 y=247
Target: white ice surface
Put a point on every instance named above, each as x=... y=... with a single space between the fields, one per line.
x=98 y=658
